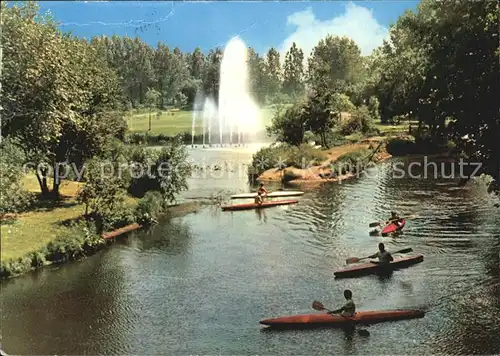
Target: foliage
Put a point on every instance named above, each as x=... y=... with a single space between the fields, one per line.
x=336 y=64
x=323 y=111
x=149 y=207
x=269 y=157
x=77 y=241
x=288 y=125
x=360 y=121
x=165 y=170
x=400 y=146
x=293 y=72
x=101 y=194
x=442 y=62
x=304 y=156
x=12 y=197
x=281 y=156
x=59 y=99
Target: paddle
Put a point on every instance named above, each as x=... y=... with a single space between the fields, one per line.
x=373 y=224
x=357 y=259
x=320 y=307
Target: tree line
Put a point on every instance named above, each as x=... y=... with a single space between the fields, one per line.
x=440 y=67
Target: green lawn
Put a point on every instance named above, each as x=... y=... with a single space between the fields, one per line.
x=34 y=229
x=402 y=128
x=175 y=122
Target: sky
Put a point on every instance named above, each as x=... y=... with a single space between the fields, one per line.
x=206 y=25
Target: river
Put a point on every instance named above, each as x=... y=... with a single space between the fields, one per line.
x=199 y=284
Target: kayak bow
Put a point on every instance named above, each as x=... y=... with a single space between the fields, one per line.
x=275 y=194
x=373 y=268
x=266 y=204
x=393 y=227
x=324 y=319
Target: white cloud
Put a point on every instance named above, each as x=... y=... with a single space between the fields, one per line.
x=356 y=22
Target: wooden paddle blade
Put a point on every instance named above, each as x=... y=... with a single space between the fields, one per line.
x=352 y=260
x=373 y=224
x=406 y=250
x=318 y=305
x=363 y=332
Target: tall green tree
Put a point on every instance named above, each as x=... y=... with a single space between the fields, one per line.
x=293 y=72
x=335 y=63
x=61 y=100
x=273 y=72
x=289 y=124
x=211 y=73
x=257 y=74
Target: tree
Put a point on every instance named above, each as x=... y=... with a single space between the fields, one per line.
x=289 y=125
x=101 y=194
x=211 y=73
x=60 y=100
x=335 y=63
x=257 y=74
x=293 y=72
x=12 y=196
x=196 y=60
x=441 y=64
x=152 y=97
x=273 y=72
x=323 y=111
x=165 y=171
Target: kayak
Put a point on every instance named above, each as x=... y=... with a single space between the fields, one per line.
x=324 y=319
x=373 y=267
x=266 y=204
x=393 y=227
x=276 y=194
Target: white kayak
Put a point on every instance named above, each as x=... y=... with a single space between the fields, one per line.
x=275 y=194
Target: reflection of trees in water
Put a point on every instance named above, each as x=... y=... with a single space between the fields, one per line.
x=475 y=326
x=172 y=236
x=78 y=304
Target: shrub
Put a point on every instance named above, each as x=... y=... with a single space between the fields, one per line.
x=268 y=157
x=304 y=156
x=151 y=206
x=351 y=162
x=400 y=146
x=360 y=121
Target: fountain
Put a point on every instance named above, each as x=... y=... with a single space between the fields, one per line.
x=237 y=115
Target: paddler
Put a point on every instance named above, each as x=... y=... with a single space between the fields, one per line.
x=349 y=308
x=259 y=199
x=394 y=217
x=384 y=257
x=263 y=191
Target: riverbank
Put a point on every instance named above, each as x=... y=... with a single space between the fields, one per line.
x=340 y=164
x=54 y=232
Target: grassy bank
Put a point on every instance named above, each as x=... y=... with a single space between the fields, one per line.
x=174 y=122
x=54 y=232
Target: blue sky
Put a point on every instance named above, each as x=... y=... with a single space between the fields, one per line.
x=188 y=25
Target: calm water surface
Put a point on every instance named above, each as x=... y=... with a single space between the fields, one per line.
x=201 y=283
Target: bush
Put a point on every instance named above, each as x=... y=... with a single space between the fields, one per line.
x=351 y=162
x=285 y=155
x=289 y=176
x=400 y=146
x=268 y=157
x=304 y=155
x=120 y=217
x=334 y=139
x=360 y=121
x=151 y=206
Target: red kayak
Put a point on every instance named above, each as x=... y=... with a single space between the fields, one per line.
x=393 y=227
x=373 y=267
x=324 y=319
x=266 y=204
